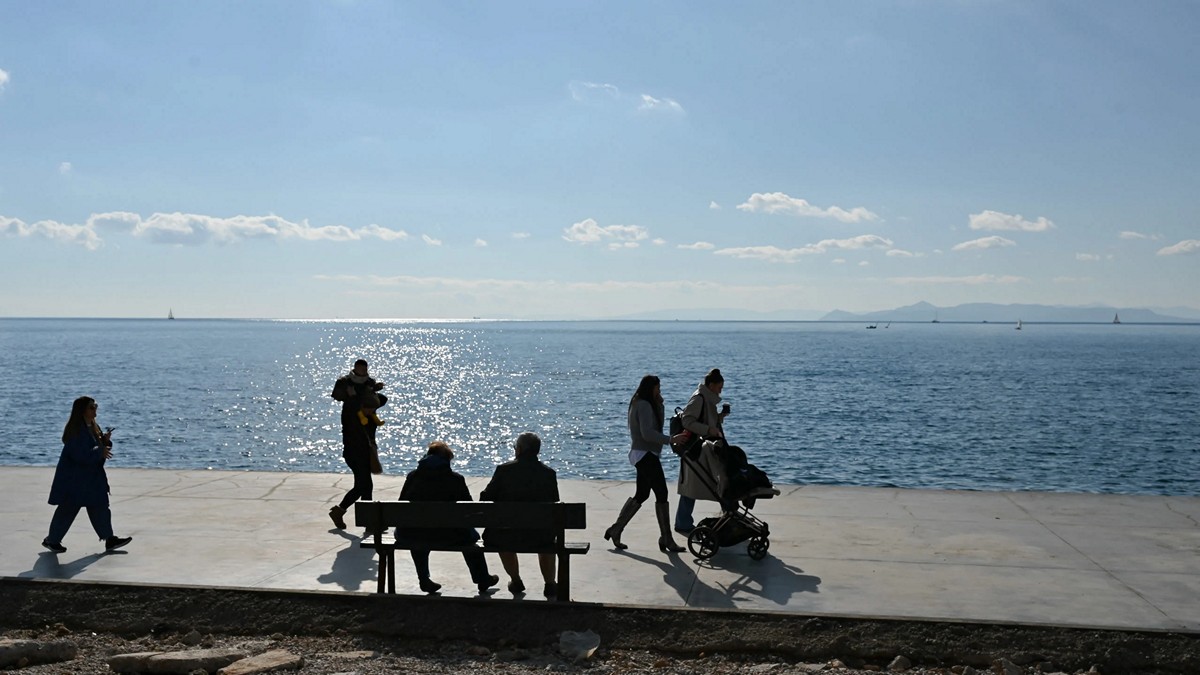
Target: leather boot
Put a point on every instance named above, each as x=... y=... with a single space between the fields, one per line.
x=335 y=514
x=631 y=507
x=666 y=543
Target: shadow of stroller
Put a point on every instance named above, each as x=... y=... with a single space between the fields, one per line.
x=352 y=566
x=680 y=576
x=48 y=566
x=769 y=578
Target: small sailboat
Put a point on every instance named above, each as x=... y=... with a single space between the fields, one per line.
x=171 y=314
x=1018 y=324
x=1116 y=318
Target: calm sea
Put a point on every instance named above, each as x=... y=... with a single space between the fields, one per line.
x=1091 y=408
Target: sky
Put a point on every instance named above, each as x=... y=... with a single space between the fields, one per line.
x=343 y=159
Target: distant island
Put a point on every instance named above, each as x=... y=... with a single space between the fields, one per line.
x=978 y=312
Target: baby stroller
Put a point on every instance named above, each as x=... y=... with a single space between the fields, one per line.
x=736 y=485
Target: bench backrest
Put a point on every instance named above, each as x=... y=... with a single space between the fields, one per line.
x=524 y=515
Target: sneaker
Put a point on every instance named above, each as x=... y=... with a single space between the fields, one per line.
x=54 y=547
x=114 y=543
x=363 y=419
x=429 y=586
x=492 y=580
x=375 y=419
x=516 y=587
x=550 y=591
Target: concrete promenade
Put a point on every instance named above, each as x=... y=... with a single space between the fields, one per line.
x=1109 y=561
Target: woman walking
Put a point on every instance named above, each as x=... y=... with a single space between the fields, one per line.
x=645 y=418
x=80 y=481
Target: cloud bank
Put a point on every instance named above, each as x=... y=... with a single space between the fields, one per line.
x=1185 y=246
x=778 y=202
x=994 y=220
x=189 y=229
x=775 y=254
x=588 y=231
x=982 y=243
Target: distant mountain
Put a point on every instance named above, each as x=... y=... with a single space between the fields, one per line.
x=985 y=311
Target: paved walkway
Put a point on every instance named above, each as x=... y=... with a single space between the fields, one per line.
x=1114 y=561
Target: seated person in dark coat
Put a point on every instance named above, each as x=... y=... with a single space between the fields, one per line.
x=434 y=481
x=525 y=479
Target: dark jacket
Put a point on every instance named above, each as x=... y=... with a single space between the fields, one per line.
x=79 y=478
x=358 y=441
x=434 y=481
x=522 y=480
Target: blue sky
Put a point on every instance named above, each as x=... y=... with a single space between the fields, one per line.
x=345 y=159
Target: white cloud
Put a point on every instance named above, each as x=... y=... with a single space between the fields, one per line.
x=1185 y=246
x=714 y=206
x=430 y=240
x=84 y=235
x=838 y=261
x=698 y=246
x=521 y=235
x=780 y=255
x=1088 y=257
x=189 y=229
x=864 y=263
x=604 y=93
x=1129 y=234
x=587 y=231
x=982 y=243
x=778 y=202
x=900 y=253
x=64 y=168
x=659 y=241
x=994 y=220
x=976 y=280
x=665 y=104
x=480 y=243
x=582 y=91
x=3 y=78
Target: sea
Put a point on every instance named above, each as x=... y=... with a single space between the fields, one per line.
x=1095 y=408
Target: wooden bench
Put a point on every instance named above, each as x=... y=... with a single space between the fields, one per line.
x=383 y=517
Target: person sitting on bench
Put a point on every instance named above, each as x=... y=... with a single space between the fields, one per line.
x=524 y=479
x=434 y=481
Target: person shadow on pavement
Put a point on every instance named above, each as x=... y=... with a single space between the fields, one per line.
x=48 y=566
x=680 y=576
x=352 y=567
x=770 y=578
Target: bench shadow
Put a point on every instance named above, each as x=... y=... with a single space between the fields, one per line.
x=352 y=566
x=48 y=566
x=679 y=575
x=770 y=578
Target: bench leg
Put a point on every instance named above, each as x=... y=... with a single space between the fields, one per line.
x=564 y=577
x=386 y=576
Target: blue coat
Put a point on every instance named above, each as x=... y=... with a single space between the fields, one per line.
x=79 y=478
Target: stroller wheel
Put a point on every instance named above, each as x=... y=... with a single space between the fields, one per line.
x=702 y=542
x=757 y=548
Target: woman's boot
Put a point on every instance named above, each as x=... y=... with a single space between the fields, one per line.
x=666 y=543
x=335 y=514
x=631 y=507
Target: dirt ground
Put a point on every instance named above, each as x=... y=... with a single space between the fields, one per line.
x=668 y=638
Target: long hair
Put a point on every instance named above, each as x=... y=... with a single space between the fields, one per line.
x=645 y=392
x=76 y=421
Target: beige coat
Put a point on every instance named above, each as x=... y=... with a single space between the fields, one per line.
x=701 y=406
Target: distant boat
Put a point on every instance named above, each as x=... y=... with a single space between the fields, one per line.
x=1116 y=318
x=874 y=325
x=1018 y=324
x=935 y=317
x=171 y=314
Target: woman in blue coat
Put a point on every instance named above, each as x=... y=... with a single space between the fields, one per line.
x=80 y=481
